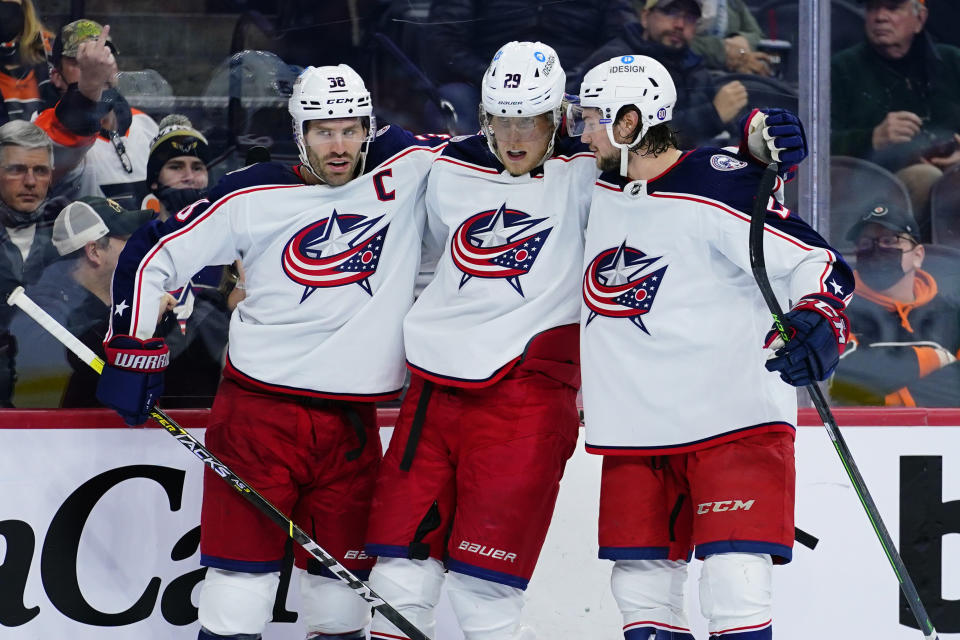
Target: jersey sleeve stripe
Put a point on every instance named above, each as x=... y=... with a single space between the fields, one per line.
x=742 y=216
x=138 y=277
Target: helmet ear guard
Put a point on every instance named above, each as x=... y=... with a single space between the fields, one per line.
x=637 y=81
x=327 y=93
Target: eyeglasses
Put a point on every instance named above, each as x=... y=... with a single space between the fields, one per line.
x=884 y=242
x=20 y=170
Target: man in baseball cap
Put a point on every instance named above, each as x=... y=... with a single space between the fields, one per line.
x=68 y=40
x=898 y=312
x=89 y=235
x=94 y=220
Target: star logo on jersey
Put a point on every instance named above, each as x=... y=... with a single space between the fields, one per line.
x=121 y=307
x=618 y=283
x=334 y=252
x=495 y=244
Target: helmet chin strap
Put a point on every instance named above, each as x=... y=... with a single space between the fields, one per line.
x=624 y=146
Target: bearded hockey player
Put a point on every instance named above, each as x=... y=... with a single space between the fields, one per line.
x=696 y=463
x=331 y=249
x=471 y=477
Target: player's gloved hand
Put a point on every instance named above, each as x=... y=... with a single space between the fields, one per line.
x=132 y=378
x=775 y=135
x=818 y=333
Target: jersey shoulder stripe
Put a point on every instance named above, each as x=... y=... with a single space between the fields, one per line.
x=391 y=141
x=262 y=173
x=472 y=150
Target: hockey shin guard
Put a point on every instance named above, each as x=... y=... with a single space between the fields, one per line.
x=413 y=588
x=650 y=596
x=485 y=610
x=236 y=605
x=736 y=596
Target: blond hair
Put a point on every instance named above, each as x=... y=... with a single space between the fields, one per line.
x=34 y=39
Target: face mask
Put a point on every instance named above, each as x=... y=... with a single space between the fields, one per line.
x=880 y=268
x=10 y=217
x=176 y=199
x=11 y=21
x=10 y=54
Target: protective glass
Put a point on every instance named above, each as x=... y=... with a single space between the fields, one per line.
x=525 y=128
x=577 y=124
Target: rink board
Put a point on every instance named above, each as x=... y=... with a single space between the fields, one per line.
x=99 y=534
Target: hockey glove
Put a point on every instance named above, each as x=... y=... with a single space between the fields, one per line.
x=775 y=135
x=818 y=333
x=132 y=378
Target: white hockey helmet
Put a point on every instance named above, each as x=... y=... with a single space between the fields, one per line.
x=524 y=79
x=628 y=80
x=323 y=93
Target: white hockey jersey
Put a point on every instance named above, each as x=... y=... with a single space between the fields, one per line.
x=329 y=271
x=673 y=322
x=510 y=251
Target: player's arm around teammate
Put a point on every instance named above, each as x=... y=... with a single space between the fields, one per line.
x=330 y=249
x=696 y=463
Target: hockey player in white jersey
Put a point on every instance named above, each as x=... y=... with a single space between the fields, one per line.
x=474 y=465
x=471 y=476
x=331 y=249
x=678 y=394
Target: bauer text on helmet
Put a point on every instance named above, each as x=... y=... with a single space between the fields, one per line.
x=625 y=81
x=521 y=98
x=333 y=123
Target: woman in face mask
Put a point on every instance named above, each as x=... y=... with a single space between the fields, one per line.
x=24 y=44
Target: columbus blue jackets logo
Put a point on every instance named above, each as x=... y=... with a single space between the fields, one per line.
x=721 y=162
x=334 y=252
x=619 y=283
x=496 y=244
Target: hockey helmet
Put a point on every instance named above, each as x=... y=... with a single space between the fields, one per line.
x=629 y=80
x=323 y=93
x=524 y=79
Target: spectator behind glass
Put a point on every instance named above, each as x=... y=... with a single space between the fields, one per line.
x=464 y=35
x=26 y=167
x=196 y=330
x=665 y=32
x=905 y=338
x=896 y=99
x=102 y=143
x=177 y=166
x=727 y=37
x=25 y=87
x=90 y=234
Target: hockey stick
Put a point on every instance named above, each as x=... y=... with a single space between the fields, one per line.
x=758 y=265
x=82 y=351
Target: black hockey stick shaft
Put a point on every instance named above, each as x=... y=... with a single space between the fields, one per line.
x=758 y=265
x=264 y=506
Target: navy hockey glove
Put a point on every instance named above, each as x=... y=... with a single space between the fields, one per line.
x=132 y=378
x=774 y=135
x=818 y=333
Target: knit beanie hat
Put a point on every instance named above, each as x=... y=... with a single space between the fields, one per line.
x=177 y=137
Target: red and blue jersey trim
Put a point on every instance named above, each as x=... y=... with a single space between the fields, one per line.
x=695 y=445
